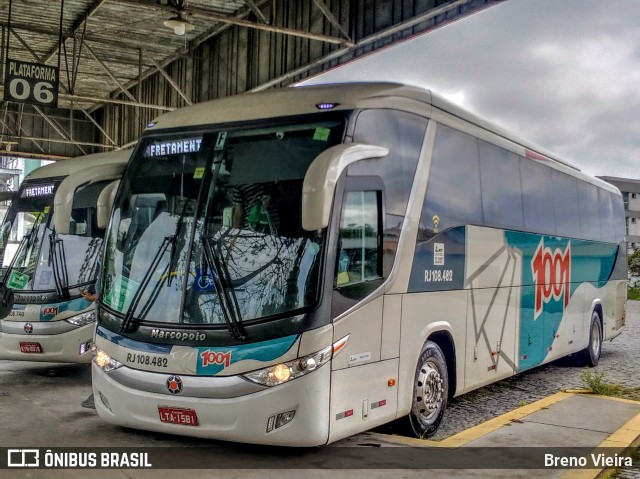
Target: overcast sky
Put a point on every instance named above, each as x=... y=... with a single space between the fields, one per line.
x=562 y=73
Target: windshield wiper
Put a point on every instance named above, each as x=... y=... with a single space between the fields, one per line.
x=174 y=244
x=170 y=241
x=224 y=290
x=24 y=244
x=58 y=259
x=128 y=317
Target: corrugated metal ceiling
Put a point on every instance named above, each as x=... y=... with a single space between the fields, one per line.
x=109 y=43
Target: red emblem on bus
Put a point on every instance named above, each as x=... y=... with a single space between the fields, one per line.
x=215 y=357
x=174 y=385
x=551 y=274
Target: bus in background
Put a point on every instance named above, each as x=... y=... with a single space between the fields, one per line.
x=296 y=266
x=50 y=242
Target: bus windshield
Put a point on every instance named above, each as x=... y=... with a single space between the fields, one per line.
x=27 y=235
x=207 y=228
x=23 y=233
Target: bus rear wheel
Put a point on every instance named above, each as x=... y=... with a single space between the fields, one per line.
x=430 y=391
x=591 y=354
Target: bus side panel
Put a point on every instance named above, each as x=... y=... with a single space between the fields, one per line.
x=422 y=315
x=562 y=278
x=361 y=398
x=493 y=275
x=617 y=310
x=364 y=327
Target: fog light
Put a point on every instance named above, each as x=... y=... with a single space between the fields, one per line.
x=279 y=420
x=284 y=418
x=85 y=347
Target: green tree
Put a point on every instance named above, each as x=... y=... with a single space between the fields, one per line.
x=634 y=263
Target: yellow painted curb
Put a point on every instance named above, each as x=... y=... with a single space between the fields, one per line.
x=612 y=398
x=625 y=438
x=480 y=430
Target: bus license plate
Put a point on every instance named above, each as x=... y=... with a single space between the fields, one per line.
x=178 y=415
x=30 y=347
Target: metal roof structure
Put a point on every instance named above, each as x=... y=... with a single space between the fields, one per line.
x=108 y=44
x=123 y=62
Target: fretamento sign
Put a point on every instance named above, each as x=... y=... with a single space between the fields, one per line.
x=34 y=83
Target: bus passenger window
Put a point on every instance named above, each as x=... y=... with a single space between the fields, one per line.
x=358 y=258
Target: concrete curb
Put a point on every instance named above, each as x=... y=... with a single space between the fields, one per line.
x=468 y=435
x=622 y=440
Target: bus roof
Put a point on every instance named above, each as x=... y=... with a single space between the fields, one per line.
x=346 y=96
x=66 y=167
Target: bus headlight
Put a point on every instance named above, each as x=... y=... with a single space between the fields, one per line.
x=82 y=319
x=105 y=362
x=283 y=372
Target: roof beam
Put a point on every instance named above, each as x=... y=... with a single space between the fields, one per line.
x=97 y=125
x=37 y=156
x=169 y=79
x=364 y=42
x=332 y=19
x=64 y=141
x=59 y=129
x=254 y=8
x=76 y=26
x=108 y=72
x=238 y=21
x=91 y=99
x=122 y=42
x=25 y=45
x=192 y=44
x=269 y=28
x=20 y=129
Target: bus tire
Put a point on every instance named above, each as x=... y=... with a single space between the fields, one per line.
x=430 y=391
x=591 y=354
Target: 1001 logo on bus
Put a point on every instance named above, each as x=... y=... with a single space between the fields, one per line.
x=215 y=357
x=551 y=275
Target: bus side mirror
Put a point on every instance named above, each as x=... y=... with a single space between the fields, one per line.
x=105 y=203
x=320 y=181
x=63 y=199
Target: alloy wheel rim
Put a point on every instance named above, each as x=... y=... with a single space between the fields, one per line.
x=595 y=338
x=428 y=391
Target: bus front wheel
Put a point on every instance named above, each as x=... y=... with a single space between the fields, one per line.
x=430 y=391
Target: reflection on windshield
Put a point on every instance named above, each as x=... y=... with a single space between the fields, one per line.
x=26 y=234
x=237 y=193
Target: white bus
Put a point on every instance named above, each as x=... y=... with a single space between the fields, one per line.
x=296 y=266
x=50 y=241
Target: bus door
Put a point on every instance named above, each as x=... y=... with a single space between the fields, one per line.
x=360 y=375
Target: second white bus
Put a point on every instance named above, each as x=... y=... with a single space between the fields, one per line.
x=50 y=242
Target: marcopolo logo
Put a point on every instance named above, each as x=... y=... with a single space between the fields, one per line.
x=552 y=275
x=178 y=335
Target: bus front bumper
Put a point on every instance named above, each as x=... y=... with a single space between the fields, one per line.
x=73 y=346
x=247 y=418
